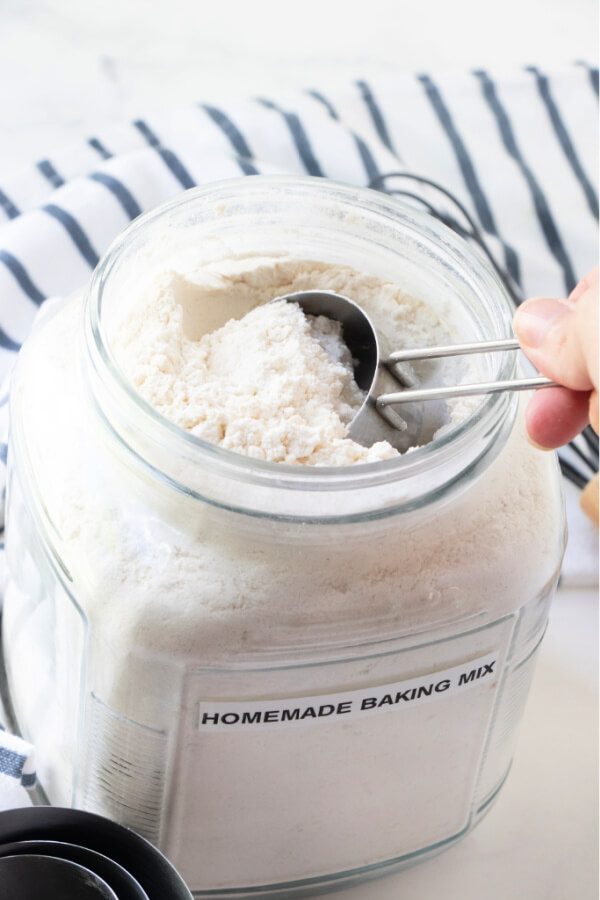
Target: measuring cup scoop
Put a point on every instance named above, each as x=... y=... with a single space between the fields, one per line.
x=372 y=376
x=389 y=380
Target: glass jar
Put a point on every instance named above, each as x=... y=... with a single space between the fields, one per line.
x=288 y=678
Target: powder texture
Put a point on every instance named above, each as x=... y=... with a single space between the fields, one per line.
x=269 y=383
x=275 y=385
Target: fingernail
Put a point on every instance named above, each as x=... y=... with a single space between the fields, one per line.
x=536 y=445
x=534 y=318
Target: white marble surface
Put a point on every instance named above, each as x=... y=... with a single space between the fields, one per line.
x=69 y=68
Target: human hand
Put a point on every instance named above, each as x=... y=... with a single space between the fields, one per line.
x=560 y=337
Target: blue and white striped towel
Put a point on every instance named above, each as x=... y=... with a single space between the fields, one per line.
x=17 y=770
x=518 y=150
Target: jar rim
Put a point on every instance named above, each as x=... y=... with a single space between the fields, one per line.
x=276 y=474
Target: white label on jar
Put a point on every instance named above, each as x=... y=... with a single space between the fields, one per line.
x=226 y=715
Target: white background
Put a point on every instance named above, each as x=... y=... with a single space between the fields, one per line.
x=70 y=67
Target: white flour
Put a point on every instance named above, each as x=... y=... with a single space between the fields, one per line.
x=181 y=597
x=264 y=386
x=269 y=384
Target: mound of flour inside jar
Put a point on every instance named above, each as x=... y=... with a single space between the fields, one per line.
x=270 y=382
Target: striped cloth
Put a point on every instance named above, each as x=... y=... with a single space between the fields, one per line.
x=17 y=759
x=518 y=151
x=17 y=770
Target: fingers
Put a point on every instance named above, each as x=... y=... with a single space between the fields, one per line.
x=590 y=282
x=560 y=337
x=556 y=415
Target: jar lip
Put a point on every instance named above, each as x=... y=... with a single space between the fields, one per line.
x=286 y=474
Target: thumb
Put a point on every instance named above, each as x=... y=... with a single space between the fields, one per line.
x=560 y=337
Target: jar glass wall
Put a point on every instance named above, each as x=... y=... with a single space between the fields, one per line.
x=282 y=676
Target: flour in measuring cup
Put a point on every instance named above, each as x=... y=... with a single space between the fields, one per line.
x=270 y=383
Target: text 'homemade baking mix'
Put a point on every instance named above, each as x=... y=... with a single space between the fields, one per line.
x=351 y=703
x=282 y=656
